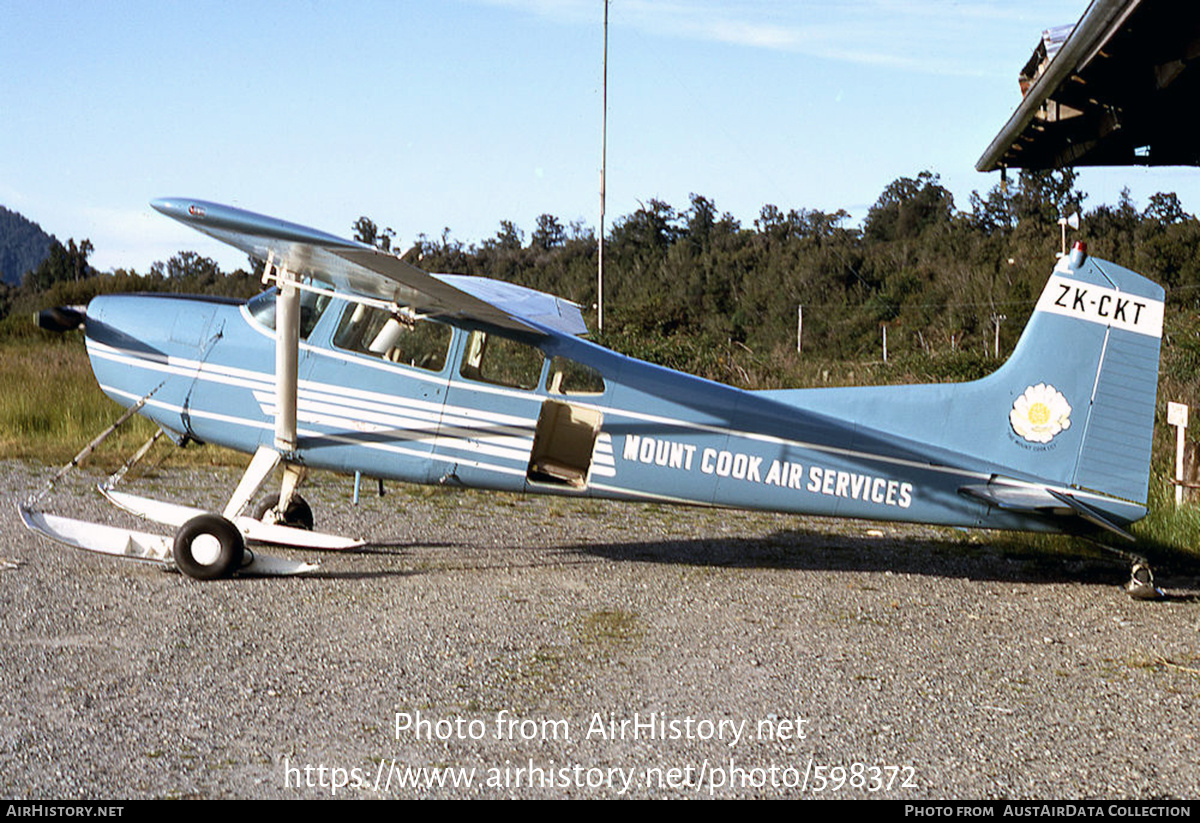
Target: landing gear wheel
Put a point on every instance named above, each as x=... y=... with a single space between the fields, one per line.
x=298 y=515
x=208 y=547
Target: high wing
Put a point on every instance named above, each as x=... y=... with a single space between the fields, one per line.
x=355 y=269
x=1117 y=92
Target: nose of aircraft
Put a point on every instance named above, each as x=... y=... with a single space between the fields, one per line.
x=140 y=344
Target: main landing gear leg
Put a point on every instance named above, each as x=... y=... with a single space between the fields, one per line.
x=287 y=508
x=290 y=508
x=211 y=546
x=264 y=462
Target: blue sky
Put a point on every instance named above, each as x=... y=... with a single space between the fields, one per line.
x=463 y=113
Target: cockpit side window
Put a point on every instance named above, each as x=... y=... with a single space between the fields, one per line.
x=493 y=359
x=422 y=344
x=312 y=306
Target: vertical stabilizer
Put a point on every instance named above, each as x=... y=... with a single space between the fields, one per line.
x=1094 y=301
x=1079 y=390
x=1073 y=406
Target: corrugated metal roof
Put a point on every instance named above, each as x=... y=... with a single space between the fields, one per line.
x=1117 y=90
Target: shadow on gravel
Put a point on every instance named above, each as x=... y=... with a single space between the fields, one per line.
x=460 y=557
x=805 y=550
x=811 y=550
x=398 y=545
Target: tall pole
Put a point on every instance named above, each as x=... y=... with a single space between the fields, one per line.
x=603 y=162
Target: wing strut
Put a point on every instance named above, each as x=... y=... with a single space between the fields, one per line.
x=287 y=356
x=287 y=380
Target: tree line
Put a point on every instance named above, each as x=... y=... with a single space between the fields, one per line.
x=692 y=287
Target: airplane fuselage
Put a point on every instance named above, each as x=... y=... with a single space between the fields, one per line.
x=619 y=428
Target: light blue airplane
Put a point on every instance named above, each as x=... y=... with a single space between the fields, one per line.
x=356 y=361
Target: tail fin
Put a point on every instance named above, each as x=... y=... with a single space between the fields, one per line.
x=1074 y=404
x=1083 y=380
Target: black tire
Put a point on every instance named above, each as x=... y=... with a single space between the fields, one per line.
x=298 y=515
x=209 y=547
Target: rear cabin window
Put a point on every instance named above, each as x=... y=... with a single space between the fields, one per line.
x=422 y=344
x=569 y=377
x=493 y=359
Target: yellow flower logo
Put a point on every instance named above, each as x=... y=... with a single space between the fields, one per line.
x=1040 y=413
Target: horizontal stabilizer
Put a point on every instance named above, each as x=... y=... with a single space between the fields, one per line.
x=1025 y=499
x=1043 y=501
x=1092 y=515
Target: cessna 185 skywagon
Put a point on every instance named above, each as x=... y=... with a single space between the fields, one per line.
x=359 y=362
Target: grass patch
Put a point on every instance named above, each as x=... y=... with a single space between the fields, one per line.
x=1169 y=532
x=51 y=407
x=610 y=628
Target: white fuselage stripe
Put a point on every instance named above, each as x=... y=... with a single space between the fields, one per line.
x=258 y=424
x=468 y=415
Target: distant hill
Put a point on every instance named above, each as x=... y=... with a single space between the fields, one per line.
x=23 y=245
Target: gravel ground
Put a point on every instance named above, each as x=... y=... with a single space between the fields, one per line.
x=591 y=650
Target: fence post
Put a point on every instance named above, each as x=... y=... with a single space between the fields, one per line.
x=1177 y=416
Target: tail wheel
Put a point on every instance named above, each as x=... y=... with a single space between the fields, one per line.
x=208 y=547
x=1141 y=584
x=298 y=515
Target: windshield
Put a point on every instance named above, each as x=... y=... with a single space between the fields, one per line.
x=312 y=305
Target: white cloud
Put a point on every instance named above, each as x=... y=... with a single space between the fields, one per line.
x=926 y=36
